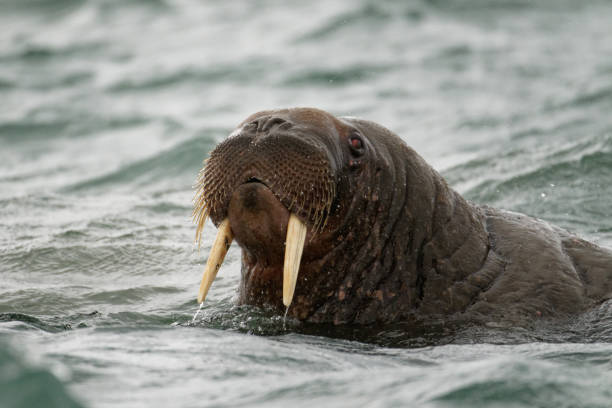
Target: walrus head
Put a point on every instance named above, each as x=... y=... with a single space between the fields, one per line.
x=337 y=218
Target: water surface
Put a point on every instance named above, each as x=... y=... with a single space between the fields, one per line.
x=109 y=107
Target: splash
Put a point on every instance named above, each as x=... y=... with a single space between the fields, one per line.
x=197 y=313
x=285 y=318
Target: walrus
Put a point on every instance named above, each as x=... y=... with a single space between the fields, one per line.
x=341 y=222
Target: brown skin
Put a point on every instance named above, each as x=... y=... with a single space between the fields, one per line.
x=388 y=240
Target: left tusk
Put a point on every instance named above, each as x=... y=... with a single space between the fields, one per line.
x=294 y=245
x=215 y=259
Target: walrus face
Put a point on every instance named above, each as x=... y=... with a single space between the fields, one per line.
x=315 y=204
x=279 y=172
x=294 y=155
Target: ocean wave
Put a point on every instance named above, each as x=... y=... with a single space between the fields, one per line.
x=335 y=77
x=23 y=385
x=543 y=182
x=180 y=163
x=242 y=73
x=90 y=261
x=32 y=53
x=369 y=13
x=18 y=132
x=32 y=322
x=522 y=383
x=372 y=14
x=48 y=7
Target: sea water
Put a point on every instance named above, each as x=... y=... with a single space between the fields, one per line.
x=107 y=109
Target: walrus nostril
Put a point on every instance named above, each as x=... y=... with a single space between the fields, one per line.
x=266 y=123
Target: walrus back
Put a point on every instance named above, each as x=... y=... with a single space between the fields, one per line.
x=557 y=272
x=593 y=264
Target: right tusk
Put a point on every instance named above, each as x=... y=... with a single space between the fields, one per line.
x=294 y=245
x=215 y=259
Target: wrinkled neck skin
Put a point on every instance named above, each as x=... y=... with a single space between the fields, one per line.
x=399 y=244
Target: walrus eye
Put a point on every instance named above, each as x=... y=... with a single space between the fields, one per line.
x=356 y=145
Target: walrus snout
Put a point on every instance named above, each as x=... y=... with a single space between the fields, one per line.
x=268 y=233
x=268 y=186
x=293 y=165
x=259 y=222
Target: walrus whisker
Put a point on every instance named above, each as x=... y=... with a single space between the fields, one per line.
x=200 y=221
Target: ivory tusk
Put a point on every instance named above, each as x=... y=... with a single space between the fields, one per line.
x=294 y=245
x=215 y=259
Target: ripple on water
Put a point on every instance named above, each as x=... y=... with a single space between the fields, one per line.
x=87 y=260
x=238 y=74
x=182 y=160
x=374 y=14
x=544 y=183
x=336 y=77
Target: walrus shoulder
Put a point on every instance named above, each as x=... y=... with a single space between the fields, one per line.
x=592 y=263
x=538 y=263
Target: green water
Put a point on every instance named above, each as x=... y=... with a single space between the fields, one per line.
x=107 y=109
